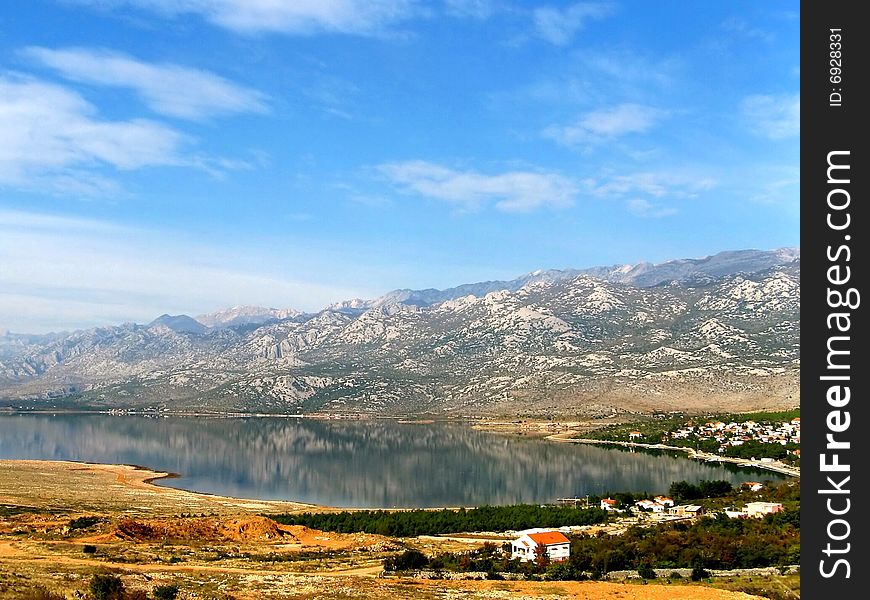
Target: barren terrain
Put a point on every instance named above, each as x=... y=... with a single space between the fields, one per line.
x=221 y=548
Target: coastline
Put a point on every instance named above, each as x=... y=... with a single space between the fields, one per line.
x=776 y=467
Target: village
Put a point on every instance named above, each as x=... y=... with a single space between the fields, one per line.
x=732 y=434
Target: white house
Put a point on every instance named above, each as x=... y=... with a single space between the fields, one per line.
x=759 y=509
x=686 y=510
x=608 y=504
x=530 y=545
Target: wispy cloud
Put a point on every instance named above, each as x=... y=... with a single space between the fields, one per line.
x=63 y=272
x=299 y=17
x=737 y=26
x=559 y=25
x=477 y=9
x=512 y=191
x=168 y=89
x=776 y=117
x=54 y=138
x=641 y=207
x=607 y=124
x=655 y=184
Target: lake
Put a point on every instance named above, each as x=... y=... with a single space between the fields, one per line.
x=377 y=463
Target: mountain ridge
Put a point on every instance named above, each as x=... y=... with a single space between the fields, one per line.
x=559 y=342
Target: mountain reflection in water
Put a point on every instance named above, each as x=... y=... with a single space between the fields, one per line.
x=376 y=463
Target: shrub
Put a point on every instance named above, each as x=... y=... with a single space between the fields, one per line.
x=89 y=549
x=84 y=522
x=699 y=573
x=165 y=592
x=107 y=587
x=675 y=575
x=646 y=571
x=406 y=561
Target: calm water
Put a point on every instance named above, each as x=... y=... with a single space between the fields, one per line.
x=351 y=463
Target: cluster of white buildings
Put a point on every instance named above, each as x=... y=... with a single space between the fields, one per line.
x=736 y=434
x=659 y=504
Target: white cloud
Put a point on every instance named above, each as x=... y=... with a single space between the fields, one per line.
x=657 y=184
x=641 y=207
x=364 y=17
x=606 y=124
x=513 y=191
x=776 y=117
x=63 y=272
x=739 y=27
x=477 y=9
x=168 y=89
x=559 y=26
x=54 y=138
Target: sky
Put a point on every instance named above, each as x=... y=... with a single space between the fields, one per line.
x=182 y=156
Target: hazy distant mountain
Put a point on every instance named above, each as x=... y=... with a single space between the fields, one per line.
x=246 y=315
x=178 y=324
x=717 y=332
x=640 y=275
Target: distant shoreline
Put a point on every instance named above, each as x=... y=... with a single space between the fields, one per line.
x=776 y=467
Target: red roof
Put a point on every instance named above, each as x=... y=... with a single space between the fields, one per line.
x=548 y=538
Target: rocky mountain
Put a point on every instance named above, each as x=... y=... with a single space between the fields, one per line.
x=238 y=316
x=178 y=324
x=639 y=275
x=718 y=332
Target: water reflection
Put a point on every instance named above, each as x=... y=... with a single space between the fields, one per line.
x=351 y=463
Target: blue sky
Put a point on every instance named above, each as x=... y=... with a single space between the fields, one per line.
x=187 y=155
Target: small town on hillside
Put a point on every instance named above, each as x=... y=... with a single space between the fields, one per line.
x=736 y=434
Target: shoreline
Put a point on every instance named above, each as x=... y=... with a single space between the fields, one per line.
x=693 y=454
x=54 y=485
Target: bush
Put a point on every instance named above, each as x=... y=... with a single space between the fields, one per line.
x=89 y=549
x=84 y=522
x=675 y=575
x=406 y=561
x=165 y=592
x=646 y=571
x=699 y=573
x=107 y=587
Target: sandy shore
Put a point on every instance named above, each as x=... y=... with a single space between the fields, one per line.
x=125 y=489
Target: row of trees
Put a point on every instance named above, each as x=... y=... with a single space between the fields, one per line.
x=431 y=522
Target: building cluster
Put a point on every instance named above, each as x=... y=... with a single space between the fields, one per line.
x=737 y=434
x=659 y=504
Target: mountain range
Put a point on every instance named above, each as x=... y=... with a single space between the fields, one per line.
x=718 y=332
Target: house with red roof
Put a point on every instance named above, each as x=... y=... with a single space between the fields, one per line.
x=609 y=504
x=530 y=546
